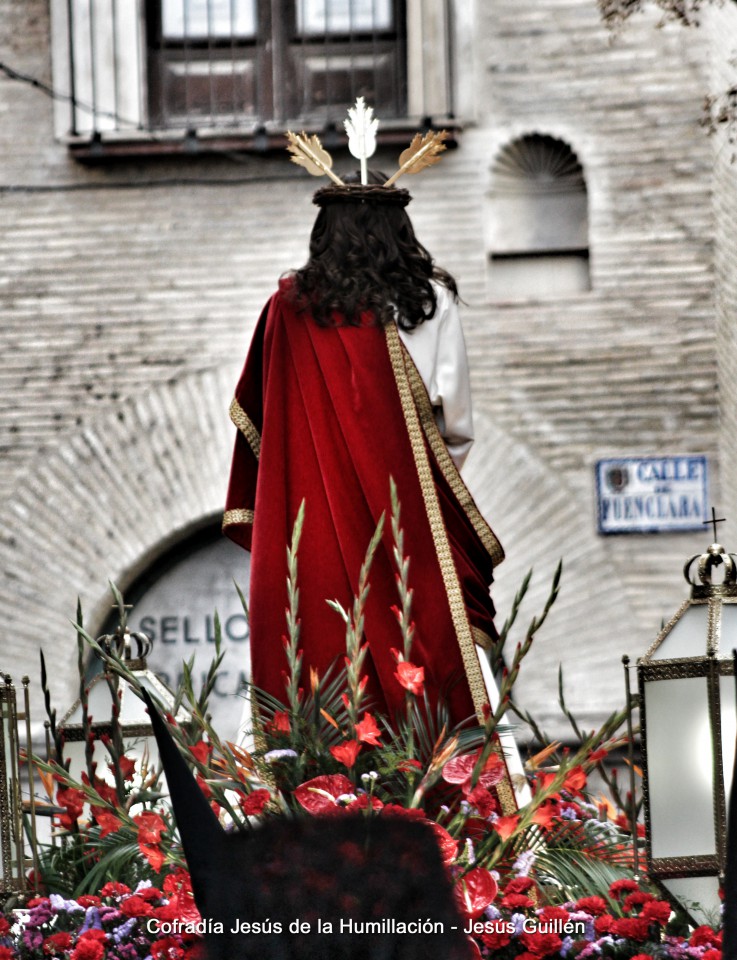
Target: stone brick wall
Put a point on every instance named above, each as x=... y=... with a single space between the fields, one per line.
x=128 y=292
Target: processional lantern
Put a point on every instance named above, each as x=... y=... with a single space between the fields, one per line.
x=108 y=706
x=12 y=857
x=688 y=725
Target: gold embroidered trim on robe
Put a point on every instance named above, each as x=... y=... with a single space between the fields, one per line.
x=244 y=423
x=231 y=517
x=459 y=615
x=445 y=462
x=481 y=638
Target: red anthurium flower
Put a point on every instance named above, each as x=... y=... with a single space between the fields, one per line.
x=410 y=677
x=474 y=948
x=367 y=731
x=107 y=820
x=448 y=846
x=178 y=888
x=474 y=891
x=460 y=770
x=346 y=752
x=320 y=795
x=505 y=826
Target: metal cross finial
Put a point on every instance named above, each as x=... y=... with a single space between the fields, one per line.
x=714 y=521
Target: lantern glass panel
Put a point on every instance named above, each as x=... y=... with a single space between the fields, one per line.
x=729 y=730
x=700 y=896
x=688 y=636
x=6 y=850
x=729 y=627
x=679 y=768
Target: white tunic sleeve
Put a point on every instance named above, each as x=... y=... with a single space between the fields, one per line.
x=438 y=350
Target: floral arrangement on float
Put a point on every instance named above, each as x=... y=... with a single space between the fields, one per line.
x=555 y=879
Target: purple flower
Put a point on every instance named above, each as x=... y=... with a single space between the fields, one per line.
x=91 y=920
x=109 y=914
x=523 y=864
x=58 y=904
x=124 y=929
x=518 y=919
x=32 y=938
x=565 y=947
x=579 y=915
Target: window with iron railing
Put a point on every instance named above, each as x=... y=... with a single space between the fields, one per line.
x=247 y=68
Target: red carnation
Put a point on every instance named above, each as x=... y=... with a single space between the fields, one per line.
x=167 y=949
x=520 y=885
x=88 y=900
x=496 y=941
x=704 y=936
x=88 y=949
x=114 y=889
x=516 y=901
x=57 y=942
x=149 y=893
x=604 y=924
x=484 y=802
x=136 y=906
x=634 y=928
x=636 y=899
x=595 y=906
x=541 y=944
x=622 y=886
x=658 y=911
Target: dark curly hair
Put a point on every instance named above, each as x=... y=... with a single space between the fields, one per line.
x=365 y=257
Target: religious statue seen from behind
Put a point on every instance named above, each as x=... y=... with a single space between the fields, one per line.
x=356 y=375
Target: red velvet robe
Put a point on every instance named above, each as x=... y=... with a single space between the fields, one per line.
x=328 y=415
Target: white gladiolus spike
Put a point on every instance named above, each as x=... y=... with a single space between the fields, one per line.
x=361 y=127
